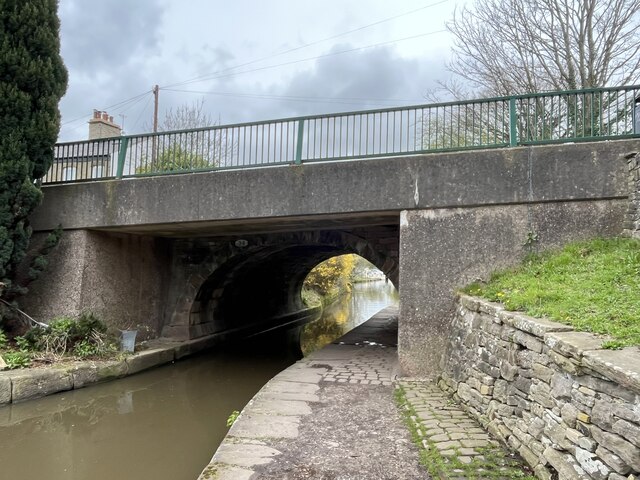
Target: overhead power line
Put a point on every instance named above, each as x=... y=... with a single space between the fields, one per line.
x=344 y=100
x=115 y=105
x=129 y=103
x=306 y=45
x=331 y=54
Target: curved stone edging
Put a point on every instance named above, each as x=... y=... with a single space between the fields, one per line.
x=30 y=383
x=551 y=393
x=273 y=413
x=275 y=417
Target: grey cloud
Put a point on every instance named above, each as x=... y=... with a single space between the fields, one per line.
x=103 y=35
x=365 y=77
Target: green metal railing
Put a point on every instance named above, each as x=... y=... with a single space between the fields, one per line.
x=567 y=116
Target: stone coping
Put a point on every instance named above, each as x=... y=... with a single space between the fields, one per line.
x=584 y=349
x=30 y=383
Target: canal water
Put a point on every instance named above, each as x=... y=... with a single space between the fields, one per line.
x=163 y=424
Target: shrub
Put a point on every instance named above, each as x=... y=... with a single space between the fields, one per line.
x=84 y=337
x=17 y=360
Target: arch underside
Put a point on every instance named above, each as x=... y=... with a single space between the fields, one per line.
x=231 y=288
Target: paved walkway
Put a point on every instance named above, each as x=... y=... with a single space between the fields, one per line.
x=332 y=416
x=455 y=445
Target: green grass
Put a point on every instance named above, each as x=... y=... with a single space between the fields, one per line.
x=593 y=286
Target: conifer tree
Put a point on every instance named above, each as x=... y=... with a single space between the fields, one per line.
x=33 y=78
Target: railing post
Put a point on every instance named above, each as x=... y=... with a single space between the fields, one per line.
x=300 y=140
x=513 y=122
x=122 y=155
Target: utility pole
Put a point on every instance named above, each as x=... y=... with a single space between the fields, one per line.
x=122 y=116
x=154 y=140
x=156 y=91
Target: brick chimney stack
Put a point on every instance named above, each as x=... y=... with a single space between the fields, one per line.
x=102 y=126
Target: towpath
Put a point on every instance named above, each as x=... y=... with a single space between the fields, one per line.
x=332 y=416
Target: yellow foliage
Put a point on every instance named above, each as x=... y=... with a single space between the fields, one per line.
x=331 y=276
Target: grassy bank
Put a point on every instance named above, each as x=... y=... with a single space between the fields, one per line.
x=593 y=286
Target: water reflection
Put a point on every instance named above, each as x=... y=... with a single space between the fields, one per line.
x=365 y=300
x=163 y=424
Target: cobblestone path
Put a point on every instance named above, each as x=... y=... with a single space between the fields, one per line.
x=454 y=445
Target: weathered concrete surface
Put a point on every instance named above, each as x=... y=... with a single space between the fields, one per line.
x=192 y=202
x=121 y=278
x=347 y=425
x=442 y=250
x=632 y=220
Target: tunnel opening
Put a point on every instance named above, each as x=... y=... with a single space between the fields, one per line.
x=257 y=289
x=239 y=289
x=351 y=290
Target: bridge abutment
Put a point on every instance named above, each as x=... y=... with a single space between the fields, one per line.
x=122 y=278
x=443 y=250
x=632 y=223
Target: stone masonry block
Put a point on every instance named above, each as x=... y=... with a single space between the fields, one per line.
x=621 y=366
x=628 y=430
x=534 y=326
x=526 y=358
x=541 y=372
x=608 y=388
x=572 y=344
x=34 y=383
x=591 y=464
x=569 y=414
x=5 y=389
x=149 y=358
x=565 y=465
x=529 y=341
x=613 y=460
x=561 y=386
x=566 y=364
x=618 y=445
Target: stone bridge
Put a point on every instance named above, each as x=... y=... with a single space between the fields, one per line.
x=192 y=254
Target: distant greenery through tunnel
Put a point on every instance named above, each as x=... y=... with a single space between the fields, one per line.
x=347 y=287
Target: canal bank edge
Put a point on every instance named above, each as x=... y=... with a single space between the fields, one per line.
x=552 y=394
x=31 y=383
x=321 y=416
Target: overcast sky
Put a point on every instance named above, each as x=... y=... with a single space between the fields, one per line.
x=248 y=59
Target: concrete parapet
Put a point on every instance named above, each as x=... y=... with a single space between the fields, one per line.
x=201 y=201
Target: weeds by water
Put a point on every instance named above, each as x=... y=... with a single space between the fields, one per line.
x=81 y=338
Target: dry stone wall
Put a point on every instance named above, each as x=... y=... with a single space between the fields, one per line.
x=570 y=408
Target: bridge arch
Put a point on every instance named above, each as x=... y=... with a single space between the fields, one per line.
x=228 y=285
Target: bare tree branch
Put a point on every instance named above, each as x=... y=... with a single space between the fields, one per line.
x=505 y=47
